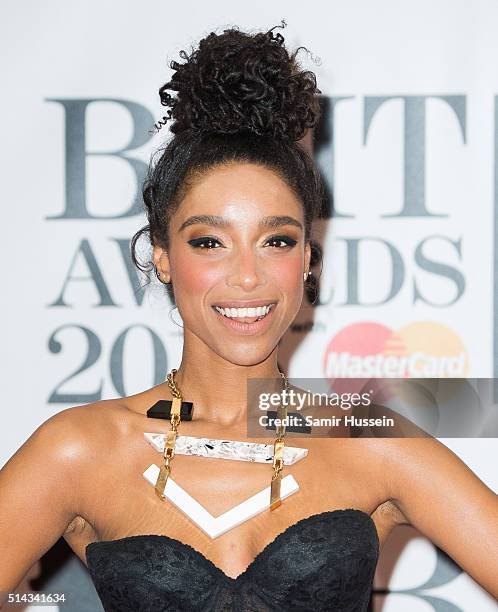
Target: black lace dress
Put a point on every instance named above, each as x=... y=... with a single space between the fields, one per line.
x=323 y=562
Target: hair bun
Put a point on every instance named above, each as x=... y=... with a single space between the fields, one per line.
x=236 y=82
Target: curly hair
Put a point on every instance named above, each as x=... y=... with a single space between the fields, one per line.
x=240 y=98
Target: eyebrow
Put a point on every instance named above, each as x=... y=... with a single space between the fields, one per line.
x=216 y=221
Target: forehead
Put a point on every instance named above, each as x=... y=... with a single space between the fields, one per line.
x=240 y=190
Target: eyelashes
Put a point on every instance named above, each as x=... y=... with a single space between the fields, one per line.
x=287 y=240
x=201 y=243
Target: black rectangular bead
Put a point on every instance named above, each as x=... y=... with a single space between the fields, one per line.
x=162 y=410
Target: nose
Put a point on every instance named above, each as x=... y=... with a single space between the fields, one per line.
x=245 y=271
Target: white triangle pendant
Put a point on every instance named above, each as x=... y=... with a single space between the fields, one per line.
x=214 y=526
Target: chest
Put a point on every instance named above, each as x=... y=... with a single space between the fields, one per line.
x=122 y=503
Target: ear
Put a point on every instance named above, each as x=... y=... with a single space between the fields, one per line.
x=307 y=256
x=161 y=261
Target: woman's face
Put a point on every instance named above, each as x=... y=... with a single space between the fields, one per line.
x=249 y=253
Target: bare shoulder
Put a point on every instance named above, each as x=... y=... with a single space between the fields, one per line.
x=73 y=433
x=390 y=460
x=45 y=483
x=75 y=439
x=416 y=470
x=415 y=475
x=389 y=456
x=375 y=464
x=411 y=462
x=401 y=457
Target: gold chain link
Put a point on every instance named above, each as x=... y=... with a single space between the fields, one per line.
x=278 y=445
x=172 y=384
x=169 y=445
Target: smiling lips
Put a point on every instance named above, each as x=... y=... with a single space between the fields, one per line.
x=244 y=312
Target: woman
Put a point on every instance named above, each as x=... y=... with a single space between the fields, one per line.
x=230 y=204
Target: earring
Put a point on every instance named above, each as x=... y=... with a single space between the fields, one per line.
x=305 y=275
x=159 y=277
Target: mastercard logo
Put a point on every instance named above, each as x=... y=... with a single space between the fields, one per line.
x=424 y=349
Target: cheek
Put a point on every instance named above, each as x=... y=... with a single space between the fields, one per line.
x=195 y=277
x=287 y=274
x=288 y=271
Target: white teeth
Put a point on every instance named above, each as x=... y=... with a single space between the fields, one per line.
x=233 y=313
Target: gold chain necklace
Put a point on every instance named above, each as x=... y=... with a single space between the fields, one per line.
x=171 y=435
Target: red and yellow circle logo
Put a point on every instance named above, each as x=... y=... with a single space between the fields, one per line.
x=419 y=350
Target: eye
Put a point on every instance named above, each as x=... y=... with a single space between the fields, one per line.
x=205 y=242
x=285 y=241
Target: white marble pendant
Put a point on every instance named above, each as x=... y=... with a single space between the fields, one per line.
x=226 y=449
x=214 y=526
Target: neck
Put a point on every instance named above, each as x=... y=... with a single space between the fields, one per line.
x=218 y=388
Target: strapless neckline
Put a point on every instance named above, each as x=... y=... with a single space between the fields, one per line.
x=262 y=553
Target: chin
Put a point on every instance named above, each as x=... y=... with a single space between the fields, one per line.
x=245 y=357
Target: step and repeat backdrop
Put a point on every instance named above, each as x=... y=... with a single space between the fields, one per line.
x=408 y=148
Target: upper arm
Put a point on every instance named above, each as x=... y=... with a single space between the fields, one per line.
x=38 y=495
x=447 y=502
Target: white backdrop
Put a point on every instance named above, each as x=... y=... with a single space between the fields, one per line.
x=410 y=258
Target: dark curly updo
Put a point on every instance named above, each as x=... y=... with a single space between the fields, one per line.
x=240 y=98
